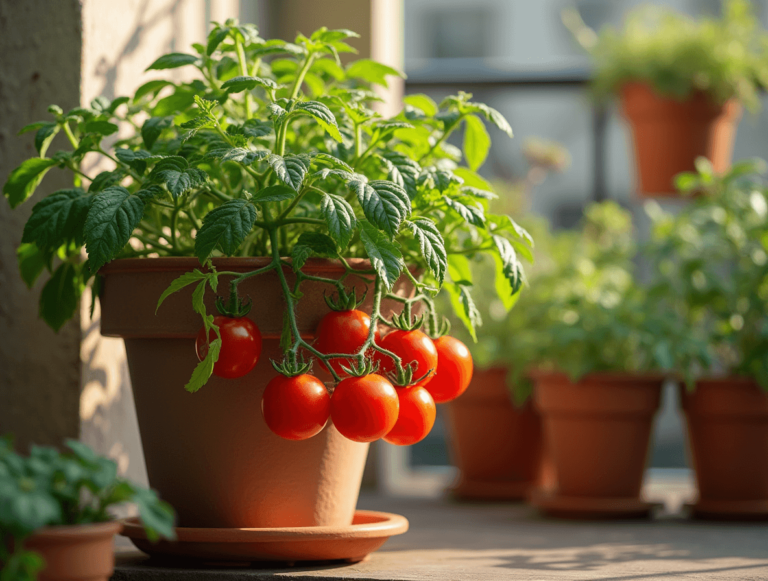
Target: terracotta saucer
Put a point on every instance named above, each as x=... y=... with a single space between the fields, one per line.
x=369 y=531
x=552 y=504
x=729 y=509
x=499 y=490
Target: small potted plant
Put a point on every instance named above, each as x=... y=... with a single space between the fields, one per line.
x=55 y=519
x=712 y=258
x=682 y=83
x=270 y=180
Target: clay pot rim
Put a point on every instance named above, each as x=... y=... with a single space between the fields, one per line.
x=600 y=376
x=695 y=94
x=80 y=532
x=185 y=263
x=727 y=381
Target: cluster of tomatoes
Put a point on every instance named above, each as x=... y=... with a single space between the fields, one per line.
x=367 y=404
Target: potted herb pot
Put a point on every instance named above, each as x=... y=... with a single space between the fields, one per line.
x=727 y=421
x=670 y=134
x=495 y=445
x=597 y=432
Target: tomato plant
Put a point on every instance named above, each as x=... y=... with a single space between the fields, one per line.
x=364 y=407
x=240 y=346
x=296 y=407
x=416 y=416
x=454 y=370
x=414 y=348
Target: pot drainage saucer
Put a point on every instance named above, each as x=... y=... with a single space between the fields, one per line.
x=553 y=504
x=730 y=509
x=369 y=531
x=466 y=489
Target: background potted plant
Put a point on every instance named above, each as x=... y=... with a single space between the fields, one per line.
x=55 y=514
x=712 y=258
x=682 y=83
x=271 y=177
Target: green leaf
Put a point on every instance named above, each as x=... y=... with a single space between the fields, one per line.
x=240 y=84
x=440 y=179
x=180 y=100
x=152 y=129
x=226 y=227
x=101 y=127
x=385 y=256
x=384 y=203
x=243 y=155
x=156 y=516
x=477 y=142
x=423 y=102
x=402 y=170
x=106 y=179
x=177 y=176
x=172 y=61
x=275 y=193
x=113 y=216
x=33 y=127
x=24 y=179
x=215 y=38
x=340 y=218
x=459 y=269
x=512 y=269
x=322 y=114
x=204 y=369
x=312 y=244
x=372 y=71
x=44 y=136
x=503 y=285
x=431 y=245
x=490 y=114
x=150 y=88
x=179 y=283
x=472 y=213
x=257 y=128
x=464 y=307
x=58 y=219
x=290 y=169
x=60 y=296
x=32 y=261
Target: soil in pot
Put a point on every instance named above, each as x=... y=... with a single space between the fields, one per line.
x=495 y=445
x=669 y=135
x=209 y=453
x=76 y=553
x=728 y=436
x=597 y=435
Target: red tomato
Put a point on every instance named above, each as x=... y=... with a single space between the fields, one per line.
x=296 y=408
x=416 y=418
x=342 y=332
x=240 y=346
x=454 y=370
x=410 y=346
x=365 y=408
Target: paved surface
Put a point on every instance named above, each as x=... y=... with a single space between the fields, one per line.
x=453 y=542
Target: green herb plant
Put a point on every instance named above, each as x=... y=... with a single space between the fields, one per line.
x=49 y=488
x=677 y=54
x=273 y=150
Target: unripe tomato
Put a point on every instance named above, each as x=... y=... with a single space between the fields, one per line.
x=296 y=408
x=240 y=346
x=416 y=418
x=342 y=332
x=410 y=346
x=454 y=370
x=365 y=408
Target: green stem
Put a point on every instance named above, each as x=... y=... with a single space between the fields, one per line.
x=71 y=136
x=244 y=72
x=440 y=141
x=300 y=76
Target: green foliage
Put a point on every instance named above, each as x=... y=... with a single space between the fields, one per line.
x=676 y=54
x=49 y=488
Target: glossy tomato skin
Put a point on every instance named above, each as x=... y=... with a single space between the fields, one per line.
x=410 y=346
x=240 y=346
x=342 y=332
x=454 y=370
x=365 y=408
x=416 y=418
x=296 y=408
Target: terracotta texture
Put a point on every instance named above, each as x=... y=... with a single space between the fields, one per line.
x=76 y=553
x=210 y=454
x=496 y=446
x=369 y=531
x=597 y=431
x=669 y=135
x=728 y=437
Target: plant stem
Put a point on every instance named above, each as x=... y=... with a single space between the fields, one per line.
x=441 y=139
x=300 y=76
x=244 y=72
x=71 y=136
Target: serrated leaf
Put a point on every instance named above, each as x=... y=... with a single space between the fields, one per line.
x=322 y=114
x=137 y=159
x=290 y=169
x=312 y=244
x=372 y=71
x=423 y=102
x=58 y=219
x=113 y=216
x=384 y=203
x=179 y=283
x=60 y=296
x=512 y=269
x=503 y=285
x=106 y=179
x=403 y=171
x=490 y=114
x=32 y=261
x=172 y=60
x=472 y=213
x=177 y=176
x=274 y=193
x=243 y=155
x=331 y=160
x=257 y=128
x=240 y=84
x=152 y=129
x=431 y=245
x=24 y=179
x=215 y=38
x=464 y=307
x=385 y=256
x=150 y=88
x=477 y=142
x=225 y=227
x=339 y=217
x=204 y=369
x=478 y=193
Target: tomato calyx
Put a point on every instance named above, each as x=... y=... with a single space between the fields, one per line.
x=367 y=367
x=291 y=366
x=235 y=307
x=403 y=375
x=346 y=301
x=405 y=322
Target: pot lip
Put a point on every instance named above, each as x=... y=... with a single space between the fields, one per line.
x=65 y=533
x=186 y=263
x=600 y=376
x=645 y=86
x=726 y=381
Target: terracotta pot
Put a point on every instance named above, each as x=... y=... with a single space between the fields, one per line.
x=76 y=553
x=728 y=436
x=669 y=135
x=598 y=431
x=210 y=454
x=495 y=445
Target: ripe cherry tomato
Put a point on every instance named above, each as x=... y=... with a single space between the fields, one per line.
x=454 y=370
x=296 y=408
x=416 y=418
x=364 y=408
x=240 y=346
x=342 y=332
x=410 y=346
